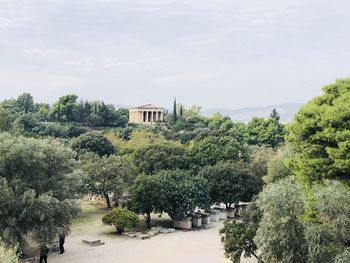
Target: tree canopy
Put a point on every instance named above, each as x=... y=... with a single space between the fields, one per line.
x=36 y=188
x=93 y=142
x=230 y=183
x=320 y=135
x=161 y=156
x=181 y=192
x=107 y=175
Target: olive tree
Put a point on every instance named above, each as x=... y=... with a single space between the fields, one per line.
x=328 y=234
x=36 y=191
x=107 y=175
x=280 y=236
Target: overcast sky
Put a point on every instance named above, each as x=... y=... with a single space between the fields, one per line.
x=214 y=53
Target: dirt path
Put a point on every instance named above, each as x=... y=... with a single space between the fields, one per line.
x=193 y=246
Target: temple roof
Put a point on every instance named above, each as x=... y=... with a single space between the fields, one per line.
x=147 y=106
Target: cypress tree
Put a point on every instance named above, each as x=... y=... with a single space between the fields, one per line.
x=174 y=111
x=95 y=108
x=181 y=110
x=59 y=111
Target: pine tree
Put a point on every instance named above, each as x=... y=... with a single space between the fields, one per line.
x=275 y=115
x=174 y=112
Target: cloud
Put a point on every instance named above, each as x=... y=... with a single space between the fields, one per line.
x=121 y=49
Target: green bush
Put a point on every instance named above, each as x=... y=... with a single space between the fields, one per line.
x=108 y=218
x=121 y=218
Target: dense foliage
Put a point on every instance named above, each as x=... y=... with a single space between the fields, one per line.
x=156 y=157
x=237 y=239
x=320 y=135
x=121 y=218
x=107 y=175
x=304 y=210
x=93 y=142
x=230 y=183
x=38 y=180
x=146 y=196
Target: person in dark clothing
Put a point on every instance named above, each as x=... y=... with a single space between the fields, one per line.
x=62 y=239
x=44 y=251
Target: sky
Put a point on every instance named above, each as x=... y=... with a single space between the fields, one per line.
x=213 y=53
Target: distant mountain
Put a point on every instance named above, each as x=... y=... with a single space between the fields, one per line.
x=286 y=112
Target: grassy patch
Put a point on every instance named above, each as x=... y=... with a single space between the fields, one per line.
x=89 y=212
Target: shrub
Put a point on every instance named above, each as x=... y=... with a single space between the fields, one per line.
x=75 y=131
x=121 y=218
x=107 y=219
x=93 y=142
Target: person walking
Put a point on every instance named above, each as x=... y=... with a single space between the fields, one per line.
x=62 y=239
x=44 y=251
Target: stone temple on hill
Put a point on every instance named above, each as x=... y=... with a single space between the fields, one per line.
x=146 y=114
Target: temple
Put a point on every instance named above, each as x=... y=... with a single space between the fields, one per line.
x=146 y=114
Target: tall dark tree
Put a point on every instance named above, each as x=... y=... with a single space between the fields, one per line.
x=81 y=111
x=59 y=111
x=174 y=112
x=275 y=115
x=181 y=110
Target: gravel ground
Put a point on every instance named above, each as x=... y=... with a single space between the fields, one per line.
x=194 y=246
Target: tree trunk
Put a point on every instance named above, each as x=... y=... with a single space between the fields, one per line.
x=116 y=204
x=236 y=257
x=106 y=196
x=148 y=220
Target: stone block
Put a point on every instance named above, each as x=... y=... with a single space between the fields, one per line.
x=167 y=230
x=214 y=217
x=238 y=210
x=134 y=234
x=196 y=221
x=223 y=215
x=231 y=213
x=183 y=224
x=205 y=219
